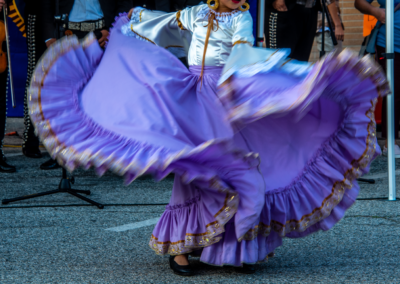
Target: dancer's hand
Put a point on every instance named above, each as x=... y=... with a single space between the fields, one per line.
x=280 y=5
x=339 y=32
x=2 y=4
x=130 y=13
x=104 y=37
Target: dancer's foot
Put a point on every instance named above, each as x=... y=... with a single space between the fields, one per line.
x=50 y=165
x=182 y=259
x=246 y=269
x=180 y=265
x=31 y=152
x=6 y=168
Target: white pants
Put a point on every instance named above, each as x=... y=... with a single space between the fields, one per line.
x=328 y=42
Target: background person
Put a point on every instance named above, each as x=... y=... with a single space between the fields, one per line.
x=291 y=24
x=338 y=27
x=36 y=47
x=365 y=7
x=84 y=16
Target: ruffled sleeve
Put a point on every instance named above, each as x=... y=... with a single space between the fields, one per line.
x=243 y=30
x=247 y=61
x=168 y=30
x=140 y=14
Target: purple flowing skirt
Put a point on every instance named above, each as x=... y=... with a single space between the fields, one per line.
x=280 y=161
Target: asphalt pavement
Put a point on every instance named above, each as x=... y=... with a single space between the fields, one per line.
x=61 y=239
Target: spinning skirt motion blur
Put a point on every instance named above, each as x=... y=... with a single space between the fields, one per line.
x=277 y=158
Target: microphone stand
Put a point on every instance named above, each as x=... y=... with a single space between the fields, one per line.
x=61 y=23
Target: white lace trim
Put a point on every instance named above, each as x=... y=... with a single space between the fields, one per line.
x=135 y=18
x=126 y=30
x=226 y=18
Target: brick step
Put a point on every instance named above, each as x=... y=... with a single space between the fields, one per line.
x=350 y=11
x=357 y=24
x=347 y=4
x=352 y=47
x=356 y=42
x=353 y=36
x=349 y=30
x=346 y=1
x=358 y=17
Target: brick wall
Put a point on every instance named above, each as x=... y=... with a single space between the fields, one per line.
x=353 y=21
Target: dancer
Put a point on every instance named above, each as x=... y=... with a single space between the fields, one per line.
x=273 y=152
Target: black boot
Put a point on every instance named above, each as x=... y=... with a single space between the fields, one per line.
x=182 y=270
x=50 y=165
x=4 y=167
x=31 y=152
x=246 y=269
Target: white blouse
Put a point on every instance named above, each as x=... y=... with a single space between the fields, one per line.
x=184 y=32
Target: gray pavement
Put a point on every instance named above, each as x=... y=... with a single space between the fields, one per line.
x=67 y=242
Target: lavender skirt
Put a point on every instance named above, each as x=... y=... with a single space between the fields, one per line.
x=280 y=159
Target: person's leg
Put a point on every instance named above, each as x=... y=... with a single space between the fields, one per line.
x=281 y=29
x=4 y=166
x=304 y=45
x=328 y=42
x=339 y=46
x=36 y=48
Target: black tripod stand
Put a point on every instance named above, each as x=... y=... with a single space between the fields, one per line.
x=64 y=186
x=325 y=15
x=61 y=22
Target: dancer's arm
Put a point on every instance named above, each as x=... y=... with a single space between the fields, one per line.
x=140 y=14
x=172 y=31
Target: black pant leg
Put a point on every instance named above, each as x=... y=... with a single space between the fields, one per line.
x=281 y=29
x=36 y=47
x=309 y=19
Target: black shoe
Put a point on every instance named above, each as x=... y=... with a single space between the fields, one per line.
x=50 y=165
x=6 y=168
x=183 y=270
x=31 y=153
x=246 y=269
